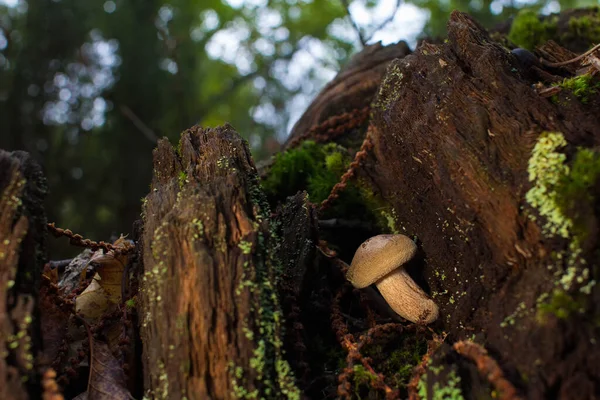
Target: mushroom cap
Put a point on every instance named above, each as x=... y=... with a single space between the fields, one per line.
x=377 y=257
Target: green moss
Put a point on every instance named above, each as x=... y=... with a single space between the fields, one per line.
x=130 y=303
x=272 y=371
x=448 y=391
x=317 y=168
x=182 y=179
x=582 y=86
x=561 y=305
x=397 y=359
x=362 y=379
x=585 y=28
x=529 y=31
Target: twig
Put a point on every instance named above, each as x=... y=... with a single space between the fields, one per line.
x=488 y=368
x=51 y=390
x=362 y=39
x=385 y=22
x=358 y=158
x=419 y=370
x=142 y=127
x=78 y=240
x=579 y=57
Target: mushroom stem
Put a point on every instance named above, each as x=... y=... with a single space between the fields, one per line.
x=406 y=298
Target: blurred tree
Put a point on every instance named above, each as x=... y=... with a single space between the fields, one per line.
x=87 y=87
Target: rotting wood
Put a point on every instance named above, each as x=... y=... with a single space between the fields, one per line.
x=211 y=322
x=22 y=252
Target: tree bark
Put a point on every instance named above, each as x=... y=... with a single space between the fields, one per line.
x=210 y=316
x=22 y=253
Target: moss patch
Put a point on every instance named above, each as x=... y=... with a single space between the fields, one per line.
x=582 y=86
x=586 y=27
x=317 y=168
x=529 y=31
x=395 y=359
x=449 y=391
x=561 y=305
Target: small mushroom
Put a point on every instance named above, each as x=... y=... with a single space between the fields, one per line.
x=380 y=260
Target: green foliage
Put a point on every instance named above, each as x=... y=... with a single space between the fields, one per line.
x=582 y=86
x=561 y=305
x=362 y=377
x=448 y=391
x=87 y=86
x=398 y=361
x=528 y=30
x=587 y=27
x=316 y=168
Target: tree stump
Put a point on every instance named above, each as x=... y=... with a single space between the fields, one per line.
x=210 y=316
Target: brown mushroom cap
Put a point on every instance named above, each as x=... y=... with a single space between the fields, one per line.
x=379 y=256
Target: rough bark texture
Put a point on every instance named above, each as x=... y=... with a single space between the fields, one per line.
x=22 y=253
x=455 y=126
x=210 y=317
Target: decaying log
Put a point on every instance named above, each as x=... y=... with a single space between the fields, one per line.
x=22 y=253
x=210 y=316
x=454 y=129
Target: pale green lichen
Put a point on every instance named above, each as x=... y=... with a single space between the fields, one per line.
x=546 y=169
x=559 y=193
x=270 y=369
x=388 y=90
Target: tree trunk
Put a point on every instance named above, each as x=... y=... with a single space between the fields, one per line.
x=22 y=253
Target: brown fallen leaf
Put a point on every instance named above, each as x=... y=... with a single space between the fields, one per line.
x=94 y=301
x=107 y=379
x=110 y=267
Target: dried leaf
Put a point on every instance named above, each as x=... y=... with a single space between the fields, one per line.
x=51 y=274
x=110 y=267
x=94 y=301
x=107 y=379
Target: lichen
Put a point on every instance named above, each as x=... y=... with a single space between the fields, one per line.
x=273 y=373
x=389 y=88
x=529 y=30
x=563 y=195
x=547 y=170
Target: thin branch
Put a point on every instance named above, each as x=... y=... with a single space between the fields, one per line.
x=579 y=57
x=353 y=22
x=386 y=21
x=142 y=127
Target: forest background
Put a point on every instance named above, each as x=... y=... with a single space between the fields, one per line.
x=87 y=87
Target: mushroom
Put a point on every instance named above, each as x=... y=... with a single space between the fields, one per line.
x=380 y=260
